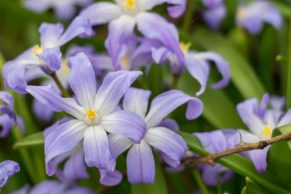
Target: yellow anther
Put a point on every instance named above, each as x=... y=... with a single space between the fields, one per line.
x=267 y=132
x=65 y=67
x=124 y=62
x=185 y=46
x=37 y=50
x=91 y=114
x=129 y=4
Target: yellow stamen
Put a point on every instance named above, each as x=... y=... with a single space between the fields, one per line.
x=37 y=50
x=267 y=132
x=185 y=46
x=129 y=4
x=65 y=67
x=91 y=114
x=125 y=62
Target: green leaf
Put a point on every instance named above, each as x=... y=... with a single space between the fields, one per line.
x=242 y=75
x=288 y=57
x=286 y=129
x=252 y=187
x=159 y=187
x=240 y=165
x=216 y=104
x=31 y=140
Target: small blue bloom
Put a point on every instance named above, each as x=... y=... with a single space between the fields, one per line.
x=140 y=160
x=7 y=169
x=215 y=12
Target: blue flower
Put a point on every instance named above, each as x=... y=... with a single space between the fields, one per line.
x=7 y=169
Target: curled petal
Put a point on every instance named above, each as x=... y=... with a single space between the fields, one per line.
x=96 y=147
x=82 y=80
x=7 y=169
x=124 y=123
x=49 y=96
x=167 y=141
x=140 y=164
x=52 y=57
x=136 y=100
x=167 y=102
x=50 y=34
x=110 y=178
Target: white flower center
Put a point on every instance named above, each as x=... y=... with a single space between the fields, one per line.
x=92 y=117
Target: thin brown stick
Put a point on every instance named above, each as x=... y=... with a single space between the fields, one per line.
x=65 y=93
x=212 y=158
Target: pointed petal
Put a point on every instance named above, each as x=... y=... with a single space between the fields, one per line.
x=285 y=120
x=140 y=164
x=60 y=139
x=101 y=12
x=120 y=31
x=167 y=141
x=49 y=96
x=136 y=100
x=82 y=80
x=124 y=123
x=259 y=158
x=96 y=147
x=199 y=70
x=7 y=169
x=167 y=102
x=154 y=26
x=112 y=89
x=221 y=64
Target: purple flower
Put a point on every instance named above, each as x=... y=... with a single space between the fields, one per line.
x=214 y=15
x=140 y=160
x=252 y=16
x=46 y=56
x=7 y=169
x=8 y=118
x=261 y=122
x=55 y=187
x=197 y=63
x=217 y=141
x=95 y=112
x=64 y=9
x=124 y=15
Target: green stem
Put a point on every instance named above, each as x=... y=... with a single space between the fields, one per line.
x=188 y=16
x=200 y=182
x=65 y=93
x=175 y=80
x=288 y=57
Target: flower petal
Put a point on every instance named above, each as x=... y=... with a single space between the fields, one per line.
x=110 y=178
x=167 y=141
x=60 y=139
x=49 y=96
x=221 y=64
x=214 y=16
x=154 y=26
x=6 y=123
x=259 y=158
x=82 y=80
x=114 y=86
x=7 y=169
x=170 y=124
x=42 y=111
x=216 y=175
x=50 y=34
x=52 y=57
x=96 y=147
x=199 y=69
x=101 y=12
x=120 y=31
x=140 y=164
x=124 y=123
x=167 y=102
x=136 y=100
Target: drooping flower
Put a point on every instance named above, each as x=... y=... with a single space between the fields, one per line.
x=8 y=118
x=217 y=141
x=7 y=169
x=124 y=15
x=51 y=186
x=140 y=160
x=196 y=63
x=261 y=122
x=215 y=12
x=64 y=9
x=46 y=56
x=94 y=112
x=252 y=16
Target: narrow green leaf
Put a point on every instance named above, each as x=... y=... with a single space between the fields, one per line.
x=216 y=104
x=286 y=129
x=288 y=57
x=159 y=187
x=240 y=165
x=252 y=187
x=242 y=75
x=31 y=140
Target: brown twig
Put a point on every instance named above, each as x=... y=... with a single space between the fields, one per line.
x=212 y=158
x=65 y=93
